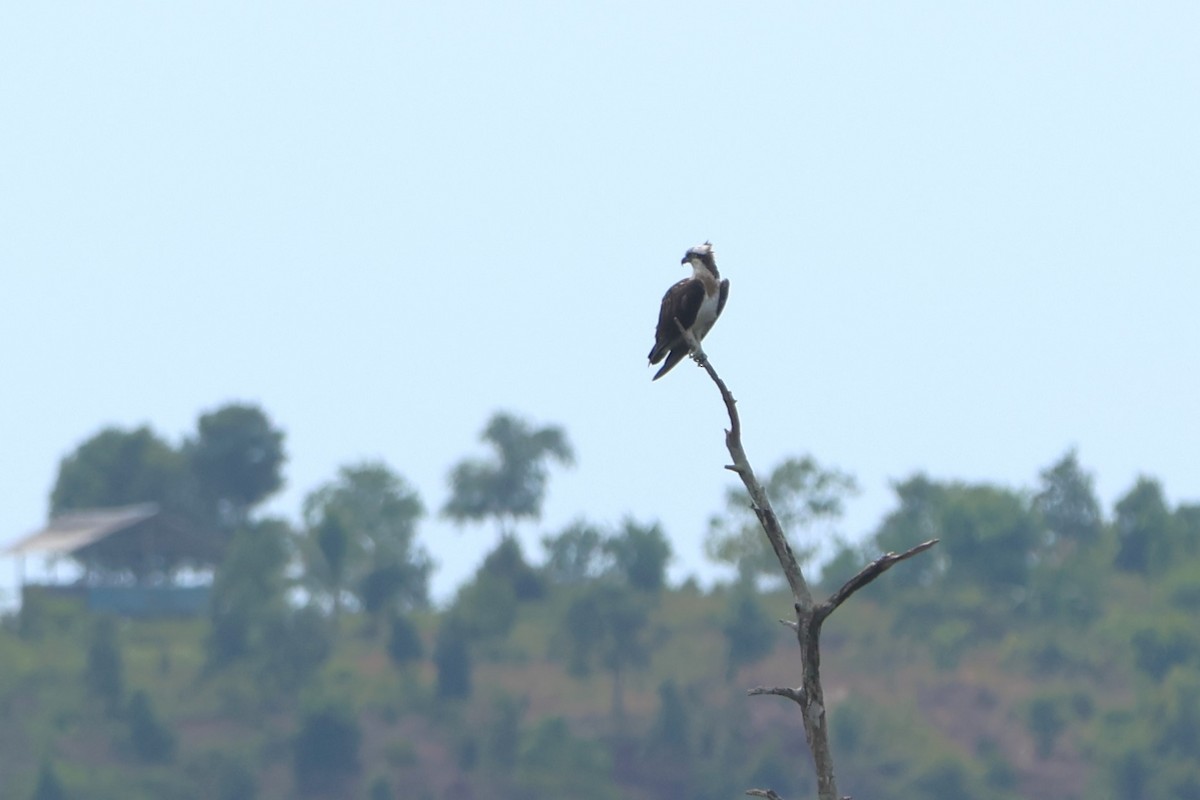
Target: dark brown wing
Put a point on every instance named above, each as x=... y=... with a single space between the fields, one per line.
x=682 y=301
x=723 y=298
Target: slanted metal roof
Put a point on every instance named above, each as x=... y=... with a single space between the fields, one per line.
x=72 y=530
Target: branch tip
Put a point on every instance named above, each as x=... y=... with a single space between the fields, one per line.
x=767 y=793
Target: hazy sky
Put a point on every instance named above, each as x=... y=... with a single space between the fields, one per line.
x=961 y=237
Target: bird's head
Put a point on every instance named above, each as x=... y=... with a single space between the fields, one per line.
x=701 y=256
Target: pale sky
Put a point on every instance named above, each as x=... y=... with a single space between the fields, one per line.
x=961 y=238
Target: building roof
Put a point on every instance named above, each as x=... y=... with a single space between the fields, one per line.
x=72 y=530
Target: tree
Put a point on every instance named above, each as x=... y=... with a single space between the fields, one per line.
x=1143 y=523
x=249 y=591
x=360 y=537
x=512 y=485
x=640 y=554
x=452 y=657
x=917 y=519
x=326 y=748
x=333 y=543
x=118 y=467
x=252 y=620
x=576 y=555
x=803 y=494
x=671 y=731
x=237 y=457
x=1067 y=502
x=605 y=624
x=404 y=642
x=989 y=535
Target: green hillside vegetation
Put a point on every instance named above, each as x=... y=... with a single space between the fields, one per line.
x=1045 y=648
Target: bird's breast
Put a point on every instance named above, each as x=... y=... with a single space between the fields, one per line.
x=706 y=316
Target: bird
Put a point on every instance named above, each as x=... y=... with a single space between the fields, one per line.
x=696 y=302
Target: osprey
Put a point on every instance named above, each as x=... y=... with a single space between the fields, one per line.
x=696 y=302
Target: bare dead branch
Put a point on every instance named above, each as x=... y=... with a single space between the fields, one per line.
x=767 y=793
x=758 y=496
x=868 y=574
x=809 y=696
x=809 y=616
x=795 y=695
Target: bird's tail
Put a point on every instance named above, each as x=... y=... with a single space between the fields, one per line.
x=674 y=358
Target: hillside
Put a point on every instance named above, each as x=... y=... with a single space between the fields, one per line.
x=924 y=705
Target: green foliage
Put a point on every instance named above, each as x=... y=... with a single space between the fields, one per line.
x=332 y=541
x=404 y=642
x=512 y=486
x=1097 y=668
x=750 y=632
x=486 y=608
x=670 y=734
x=152 y=740
x=204 y=490
x=1152 y=750
x=605 y=624
x=237 y=456
x=249 y=591
x=1068 y=505
x=221 y=775
x=640 y=554
x=1068 y=591
x=846 y=562
x=1046 y=718
x=1187 y=529
x=575 y=555
x=777 y=768
x=554 y=764
x=1143 y=527
x=294 y=646
x=1183 y=587
x=49 y=787
x=452 y=657
x=104 y=674
x=325 y=754
x=119 y=467
x=507 y=563
x=381 y=789
x=360 y=535
x=916 y=519
x=502 y=734
x=44 y=614
x=116 y=468
x=802 y=493
x=1175 y=716
x=988 y=535
x=1159 y=647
